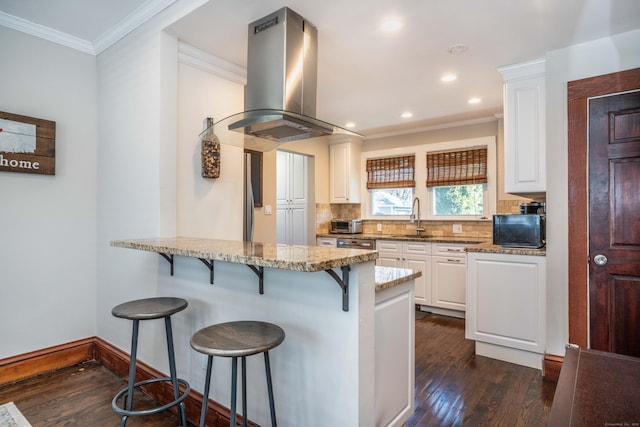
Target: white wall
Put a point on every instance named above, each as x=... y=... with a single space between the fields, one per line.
x=595 y=58
x=48 y=223
x=205 y=206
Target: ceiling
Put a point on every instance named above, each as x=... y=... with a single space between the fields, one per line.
x=365 y=76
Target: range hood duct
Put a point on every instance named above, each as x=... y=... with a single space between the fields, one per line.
x=280 y=98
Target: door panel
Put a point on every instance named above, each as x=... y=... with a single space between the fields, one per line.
x=614 y=223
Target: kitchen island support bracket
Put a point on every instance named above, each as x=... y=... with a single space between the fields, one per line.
x=260 y=273
x=209 y=265
x=343 y=283
x=169 y=259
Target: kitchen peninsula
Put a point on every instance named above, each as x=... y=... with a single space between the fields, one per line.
x=347 y=358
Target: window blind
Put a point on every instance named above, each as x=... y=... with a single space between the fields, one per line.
x=391 y=172
x=457 y=167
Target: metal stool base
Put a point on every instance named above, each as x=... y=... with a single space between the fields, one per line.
x=125 y=392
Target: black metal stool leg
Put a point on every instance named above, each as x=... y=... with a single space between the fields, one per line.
x=272 y=406
x=205 y=396
x=172 y=371
x=128 y=398
x=244 y=391
x=234 y=390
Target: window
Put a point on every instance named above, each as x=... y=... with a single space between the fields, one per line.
x=391 y=183
x=457 y=181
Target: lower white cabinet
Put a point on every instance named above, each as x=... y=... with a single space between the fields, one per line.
x=394 y=355
x=506 y=306
x=292 y=224
x=448 y=276
x=413 y=255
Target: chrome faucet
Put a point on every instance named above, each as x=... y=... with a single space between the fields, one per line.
x=413 y=218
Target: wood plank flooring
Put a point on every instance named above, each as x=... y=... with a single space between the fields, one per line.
x=453 y=388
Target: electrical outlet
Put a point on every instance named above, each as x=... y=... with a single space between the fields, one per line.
x=379 y=227
x=457 y=228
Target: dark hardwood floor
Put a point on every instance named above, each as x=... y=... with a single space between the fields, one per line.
x=453 y=388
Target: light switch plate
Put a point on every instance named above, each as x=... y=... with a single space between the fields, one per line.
x=379 y=227
x=267 y=209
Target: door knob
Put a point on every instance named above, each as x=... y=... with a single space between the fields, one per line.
x=600 y=259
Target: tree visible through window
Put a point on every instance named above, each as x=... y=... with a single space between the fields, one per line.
x=458 y=200
x=457 y=179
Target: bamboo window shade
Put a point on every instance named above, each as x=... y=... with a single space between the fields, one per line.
x=457 y=167
x=391 y=172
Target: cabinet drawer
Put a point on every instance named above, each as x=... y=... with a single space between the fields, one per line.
x=449 y=249
x=416 y=248
x=389 y=246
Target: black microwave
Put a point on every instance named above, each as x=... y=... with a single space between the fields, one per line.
x=519 y=231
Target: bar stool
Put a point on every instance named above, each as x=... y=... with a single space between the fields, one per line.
x=147 y=309
x=237 y=339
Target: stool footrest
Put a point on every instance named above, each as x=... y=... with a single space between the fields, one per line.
x=124 y=392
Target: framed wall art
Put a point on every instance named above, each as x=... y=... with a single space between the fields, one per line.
x=27 y=144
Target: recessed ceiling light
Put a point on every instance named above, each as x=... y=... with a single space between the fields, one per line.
x=474 y=100
x=391 y=24
x=449 y=77
x=407 y=115
x=350 y=125
x=457 y=49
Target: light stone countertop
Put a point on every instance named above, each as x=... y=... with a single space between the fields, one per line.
x=387 y=277
x=496 y=249
x=270 y=255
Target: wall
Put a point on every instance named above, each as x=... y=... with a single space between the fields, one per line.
x=204 y=205
x=602 y=56
x=48 y=223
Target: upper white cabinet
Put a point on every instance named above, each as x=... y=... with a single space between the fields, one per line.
x=524 y=127
x=344 y=172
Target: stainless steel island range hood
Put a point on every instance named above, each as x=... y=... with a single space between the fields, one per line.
x=280 y=98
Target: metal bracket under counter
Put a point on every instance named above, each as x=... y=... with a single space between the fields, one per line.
x=259 y=271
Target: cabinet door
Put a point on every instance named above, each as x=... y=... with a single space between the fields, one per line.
x=389 y=259
x=282 y=177
x=298 y=229
x=524 y=128
x=448 y=284
x=422 y=283
x=506 y=300
x=298 y=178
x=344 y=172
x=339 y=172
x=283 y=221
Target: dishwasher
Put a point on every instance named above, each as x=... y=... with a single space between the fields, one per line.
x=356 y=243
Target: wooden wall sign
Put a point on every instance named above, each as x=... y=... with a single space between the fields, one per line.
x=27 y=144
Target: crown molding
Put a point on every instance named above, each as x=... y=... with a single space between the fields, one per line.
x=46 y=33
x=205 y=61
x=407 y=131
x=132 y=21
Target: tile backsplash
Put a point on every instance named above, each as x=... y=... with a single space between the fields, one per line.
x=325 y=212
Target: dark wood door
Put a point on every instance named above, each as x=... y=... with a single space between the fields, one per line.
x=614 y=223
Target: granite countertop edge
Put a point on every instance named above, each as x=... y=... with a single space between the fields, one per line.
x=409 y=238
x=508 y=250
x=286 y=257
x=388 y=277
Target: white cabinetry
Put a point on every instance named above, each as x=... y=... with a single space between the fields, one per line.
x=506 y=306
x=394 y=355
x=524 y=127
x=448 y=276
x=329 y=242
x=344 y=172
x=413 y=255
x=291 y=198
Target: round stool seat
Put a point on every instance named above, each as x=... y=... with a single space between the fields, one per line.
x=237 y=339
x=149 y=308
